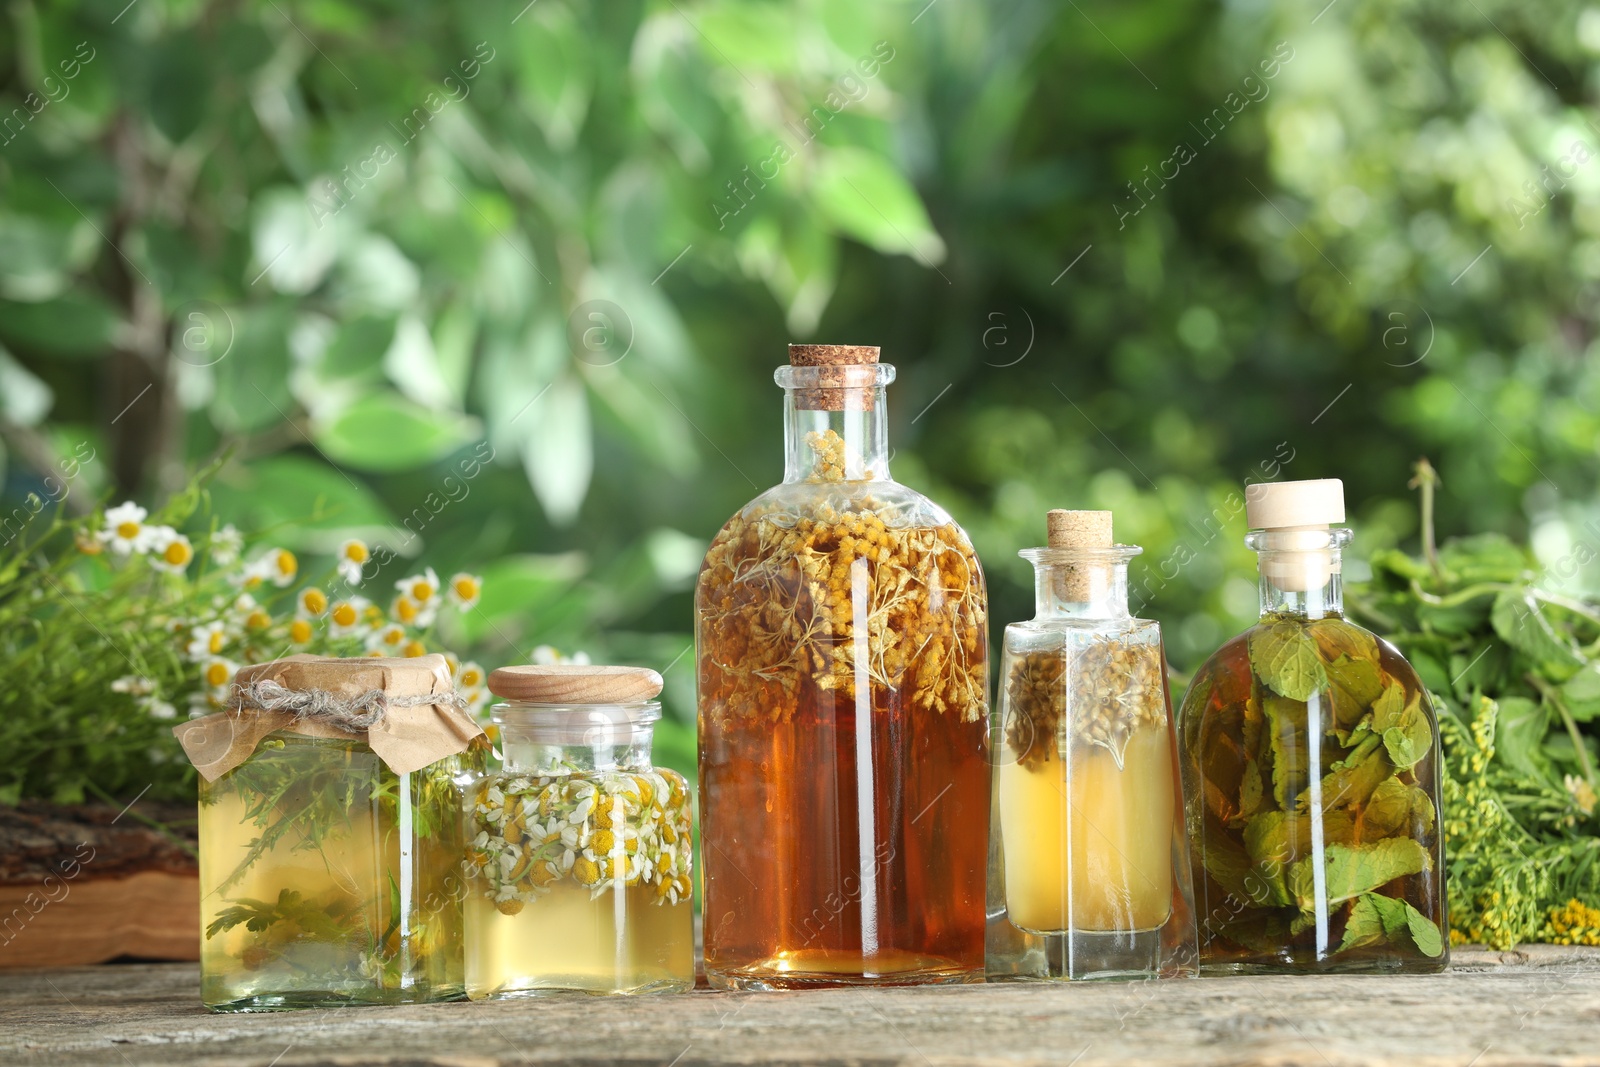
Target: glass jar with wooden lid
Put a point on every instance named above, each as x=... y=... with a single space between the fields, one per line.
x=578 y=856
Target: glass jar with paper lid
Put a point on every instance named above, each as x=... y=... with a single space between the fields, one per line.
x=578 y=862
x=1311 y=762
x=1089 y=866
x=331 y=834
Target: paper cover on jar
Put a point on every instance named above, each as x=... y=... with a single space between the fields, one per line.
x=407 y=735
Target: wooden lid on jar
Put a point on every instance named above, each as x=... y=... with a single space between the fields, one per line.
x=575 y=683
x=831 y=393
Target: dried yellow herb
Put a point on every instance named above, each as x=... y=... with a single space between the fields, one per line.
x=1113 y=686
x=847 y=588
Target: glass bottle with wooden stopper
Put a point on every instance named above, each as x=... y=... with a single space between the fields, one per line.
x=579 y=848
x=1090 y=875
x=1310 y=758
x=842 y=675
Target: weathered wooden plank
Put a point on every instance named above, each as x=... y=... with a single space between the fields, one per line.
x=60 y=923
x=1538 y=1007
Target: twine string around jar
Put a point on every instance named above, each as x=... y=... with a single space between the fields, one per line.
x=360 y=712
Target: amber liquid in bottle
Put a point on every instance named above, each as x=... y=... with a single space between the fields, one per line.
x=843 y=768
x=1310 y=750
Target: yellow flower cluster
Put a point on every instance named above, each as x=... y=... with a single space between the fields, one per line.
x=604 y=830
x=1573 y=923
x=1488 y=905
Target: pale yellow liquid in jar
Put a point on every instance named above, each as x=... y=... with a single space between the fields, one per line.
x=1088 y=845
x=285 y=956
x=623 y=942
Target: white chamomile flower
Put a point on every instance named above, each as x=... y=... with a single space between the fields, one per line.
x=134 y=684
x=465 y=589
x=353 y=556
x=283 y=566
x=422 y=589
x=311 y=603
x=218 y=674
x=125 y=531
x=170 y=550
x=388 y=641
x=254 y=575
x=1583 y=795
x=225 y=546
x=346 y=617
x=410 y=613
x=207 y=640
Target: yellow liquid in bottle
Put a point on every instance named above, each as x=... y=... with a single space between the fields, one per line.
x=1088 y=845
x=623 y=942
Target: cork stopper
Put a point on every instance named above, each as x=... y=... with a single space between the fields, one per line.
x=1080 y=529
x=573 y=683
x=831 y=394
x=1297 y=550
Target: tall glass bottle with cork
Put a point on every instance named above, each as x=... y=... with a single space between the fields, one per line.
x=1089 y=873
x=842 y=673
x=1312 y=773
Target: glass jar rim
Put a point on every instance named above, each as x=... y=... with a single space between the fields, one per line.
x=530 y=714
x=843 y=376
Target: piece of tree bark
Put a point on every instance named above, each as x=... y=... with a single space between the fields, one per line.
x=88 y=883
x=37 y=839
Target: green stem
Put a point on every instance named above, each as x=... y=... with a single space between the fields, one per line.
x=1461 y=596
x=1425 y=481
x=1553 y=698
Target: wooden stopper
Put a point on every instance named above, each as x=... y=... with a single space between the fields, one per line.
x=1080 y=529
x=573 y=683
x=832 y=394
x=1279 y=505
x=1295 y=552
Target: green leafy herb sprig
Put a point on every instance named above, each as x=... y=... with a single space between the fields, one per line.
x=1515 y=672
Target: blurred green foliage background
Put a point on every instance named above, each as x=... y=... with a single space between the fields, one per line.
x=1124 y=256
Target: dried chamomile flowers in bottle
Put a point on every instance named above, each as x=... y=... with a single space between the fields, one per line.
x=842 y=670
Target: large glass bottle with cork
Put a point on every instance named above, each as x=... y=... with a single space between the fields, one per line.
x=1311 y=771
x=1089 y=873
x=842 y=673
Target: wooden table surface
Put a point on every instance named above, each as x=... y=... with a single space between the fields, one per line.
x=1539 y=1005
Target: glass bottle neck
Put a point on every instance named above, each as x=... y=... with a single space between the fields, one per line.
x=1314 y=603
x=823 y=445
x=1080 y=584
x=549 y=739
x=1300 y=570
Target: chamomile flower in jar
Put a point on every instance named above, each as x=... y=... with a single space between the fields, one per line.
x=578 y=848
